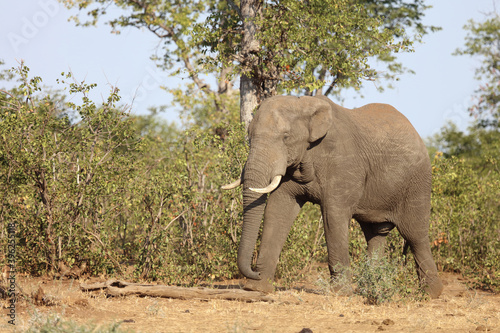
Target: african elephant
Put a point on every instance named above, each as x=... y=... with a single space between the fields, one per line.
x=367 y=163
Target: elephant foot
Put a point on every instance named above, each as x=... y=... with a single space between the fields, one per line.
x=341 y=282
x=263 y=285
x=434 y=288
x=343 y=289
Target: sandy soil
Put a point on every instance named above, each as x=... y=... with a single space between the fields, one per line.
x=296 y=310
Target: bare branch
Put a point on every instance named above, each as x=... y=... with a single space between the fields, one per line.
x=117 y=264
x=170 y=33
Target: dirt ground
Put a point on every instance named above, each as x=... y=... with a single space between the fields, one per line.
x=457 y=310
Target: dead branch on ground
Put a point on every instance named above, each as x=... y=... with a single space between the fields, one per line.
x=122 y=288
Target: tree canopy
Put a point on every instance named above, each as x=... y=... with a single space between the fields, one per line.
x=483 y=43
x=481 y=144
x=272 y=46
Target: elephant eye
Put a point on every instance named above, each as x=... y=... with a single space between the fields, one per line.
x=286 y=136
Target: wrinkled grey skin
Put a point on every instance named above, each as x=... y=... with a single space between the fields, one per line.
x=367 y=163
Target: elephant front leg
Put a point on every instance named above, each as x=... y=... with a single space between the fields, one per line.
x=336 y=223
x=280 y=212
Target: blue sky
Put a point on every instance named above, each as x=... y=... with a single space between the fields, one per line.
x=38 y=32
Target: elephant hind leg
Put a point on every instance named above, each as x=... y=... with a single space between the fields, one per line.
x=417 y=238
x=426 y=268
x=375 y=235
x=412 y=222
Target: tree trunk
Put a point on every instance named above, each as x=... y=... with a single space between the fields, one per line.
x=249 y=99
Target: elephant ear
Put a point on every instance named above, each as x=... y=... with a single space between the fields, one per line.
x=321 y=120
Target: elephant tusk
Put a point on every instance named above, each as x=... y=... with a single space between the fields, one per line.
x=234 y=184
x=269 y=188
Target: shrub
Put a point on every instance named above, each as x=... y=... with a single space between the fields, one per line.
x=61 y=180
x=192 y=229
x=56 y=324
x=91 y=184
x=464 y=221
x=385 y=279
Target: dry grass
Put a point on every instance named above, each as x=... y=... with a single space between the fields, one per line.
x=457 y=310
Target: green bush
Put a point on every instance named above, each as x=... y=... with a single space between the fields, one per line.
x=191 y=229
x=465 y=227
x=56 y=324
x=61 y=180
x=92 y=184
x=386 y=279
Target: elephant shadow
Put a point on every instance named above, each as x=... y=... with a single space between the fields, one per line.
x=240 y=285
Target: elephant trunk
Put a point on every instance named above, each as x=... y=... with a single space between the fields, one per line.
x=260 y=169
x=253 y=210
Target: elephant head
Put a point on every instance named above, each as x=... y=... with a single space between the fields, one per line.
x=282 y=130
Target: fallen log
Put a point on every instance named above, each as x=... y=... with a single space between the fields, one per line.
x=122 y=288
